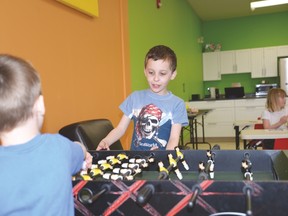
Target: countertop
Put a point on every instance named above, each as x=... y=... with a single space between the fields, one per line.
x=222 y=97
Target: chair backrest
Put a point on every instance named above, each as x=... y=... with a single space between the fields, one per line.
x=258 y=126
x=90 y=133
x=281 y=143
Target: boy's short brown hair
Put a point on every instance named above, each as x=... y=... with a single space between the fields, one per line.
x=164 y=53
x=20 y=86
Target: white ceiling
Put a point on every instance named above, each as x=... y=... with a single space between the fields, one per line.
x=209 y=10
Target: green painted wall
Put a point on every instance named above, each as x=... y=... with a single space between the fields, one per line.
x=175 y=25
x=242 y=33
x=248 y=32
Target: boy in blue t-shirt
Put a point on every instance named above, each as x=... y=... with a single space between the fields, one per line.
x=158 y=115
x=35 y=168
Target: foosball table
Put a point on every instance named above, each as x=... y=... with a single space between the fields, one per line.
x=184 y=182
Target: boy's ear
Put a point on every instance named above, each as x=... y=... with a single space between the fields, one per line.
x=174 y=74
x=144 y=72
x=39 y=106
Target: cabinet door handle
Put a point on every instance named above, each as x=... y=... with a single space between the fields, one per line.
x=264 y=72
x=250 y=107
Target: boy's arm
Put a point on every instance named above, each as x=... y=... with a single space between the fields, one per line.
x=174 y=136
x=115 y=134
x=87 y=156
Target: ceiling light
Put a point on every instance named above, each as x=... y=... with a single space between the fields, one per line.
x=267 y=3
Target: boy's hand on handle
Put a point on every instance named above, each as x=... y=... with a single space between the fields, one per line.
x=102 y=146
x=88 y=161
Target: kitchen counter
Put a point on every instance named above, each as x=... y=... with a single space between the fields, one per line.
x=219 y=122
x=248 y=96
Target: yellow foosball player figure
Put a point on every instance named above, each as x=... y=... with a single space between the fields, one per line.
x=95 y=171
x=164 y=173
x=83 y=175
x=180 y=155
x=121 y=156
x=114 y=161
x=174 y=165
x=105 y=166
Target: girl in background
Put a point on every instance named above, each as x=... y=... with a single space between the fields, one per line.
x=275 y=115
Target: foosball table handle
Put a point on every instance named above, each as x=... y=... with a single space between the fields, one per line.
x=86 y=196
x=196 y=191
x=248 y=190
x=145 y=194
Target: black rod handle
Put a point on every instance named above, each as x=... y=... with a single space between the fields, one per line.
x=248 y=192
x=196 y=191
x=86 y=196
x=145 y=194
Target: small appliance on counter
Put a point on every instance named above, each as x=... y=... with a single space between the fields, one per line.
x=213 y=93
x=195 y=97
x=234 y=92
x=262 y=89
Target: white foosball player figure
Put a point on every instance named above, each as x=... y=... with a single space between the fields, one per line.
x=112 y=176
x=134 y=166
x=202 y=173
x=122 y=171
x=246 y=169
x=210 y=164
x=141 y=161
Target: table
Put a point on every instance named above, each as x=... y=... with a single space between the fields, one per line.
x=147 y=195
x=192 y=128
x=238 y=127
x=260 y=134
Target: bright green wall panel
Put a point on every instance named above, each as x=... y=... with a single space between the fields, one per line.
x=174 y=25
x=248 y=32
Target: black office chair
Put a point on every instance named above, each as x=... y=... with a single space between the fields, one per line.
x=90 y=133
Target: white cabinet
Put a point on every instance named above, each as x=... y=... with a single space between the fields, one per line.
x=235 y=61
x=211 y=66
x=282 y=51
x=261 y=62
x=249 y=109
x=219 y=121
x=264 y=62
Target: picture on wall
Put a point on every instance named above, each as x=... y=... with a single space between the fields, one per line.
x=89 y=7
